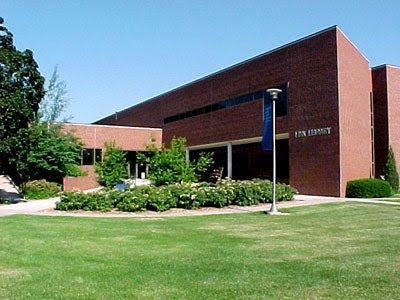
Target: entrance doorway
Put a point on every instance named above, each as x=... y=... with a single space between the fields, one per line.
x=251 y=161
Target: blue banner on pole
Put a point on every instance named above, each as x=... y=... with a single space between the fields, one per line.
x=267 y=126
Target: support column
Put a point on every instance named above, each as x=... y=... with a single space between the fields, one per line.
x=187 y=155
x=229 y=150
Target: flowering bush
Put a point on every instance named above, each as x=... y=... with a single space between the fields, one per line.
x=40 y=189
x=180 y=195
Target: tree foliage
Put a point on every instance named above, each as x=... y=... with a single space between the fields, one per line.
x=113 y=169
x=55 y=101
x=21 y=90
x=50 y=153
x=168 y=166
x=390 y=173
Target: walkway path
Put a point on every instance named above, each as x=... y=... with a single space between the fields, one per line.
x=28 y=208
x=373 y=200
x=46 y=208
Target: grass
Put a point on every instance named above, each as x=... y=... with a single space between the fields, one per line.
x=392 y=199
x=340 y=251
x=395 y=198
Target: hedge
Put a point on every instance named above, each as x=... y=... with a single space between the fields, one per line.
x=40 y=189
x=182 y=195
x=368 y=188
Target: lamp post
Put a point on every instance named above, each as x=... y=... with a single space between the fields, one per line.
x=274 y=96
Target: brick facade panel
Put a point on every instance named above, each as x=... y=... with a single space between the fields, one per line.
x=355 y=87
x=128 y=138
x=81 y=183
x=393 y=96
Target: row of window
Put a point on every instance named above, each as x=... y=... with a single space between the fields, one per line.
x=281 y=105
x=90 y=156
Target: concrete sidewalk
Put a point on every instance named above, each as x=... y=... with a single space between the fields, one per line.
x=29 y=207
x=363 y=200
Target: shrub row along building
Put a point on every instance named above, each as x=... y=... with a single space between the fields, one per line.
x=336 y=116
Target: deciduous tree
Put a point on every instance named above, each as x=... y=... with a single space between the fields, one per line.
x=168 y=165
x=55 y=101
x=113 y=169
x=21 y=90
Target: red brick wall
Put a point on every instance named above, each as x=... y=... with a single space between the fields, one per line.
x=393 y=94
x=81 y=183
x=386 y=83
x=355 y=87
x=128 y=138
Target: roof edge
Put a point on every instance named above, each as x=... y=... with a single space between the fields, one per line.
x=230 y=67
x=113 y=126
x=385 y=65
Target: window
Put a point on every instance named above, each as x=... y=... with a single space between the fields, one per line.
x=281 y=105
x=98 y=155
x=87 y=157
x=90 y=156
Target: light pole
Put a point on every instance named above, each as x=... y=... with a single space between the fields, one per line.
x=274 y=96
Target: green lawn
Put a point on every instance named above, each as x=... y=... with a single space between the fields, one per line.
x=395 y=198
x=341 y=251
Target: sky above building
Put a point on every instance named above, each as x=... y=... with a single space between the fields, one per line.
x=114 y=54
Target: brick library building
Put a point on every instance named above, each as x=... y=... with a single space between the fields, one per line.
x=335 y=118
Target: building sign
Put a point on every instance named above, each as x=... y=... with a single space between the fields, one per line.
x=312 y=132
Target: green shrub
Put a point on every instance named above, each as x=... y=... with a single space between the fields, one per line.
x=40 y=189
x=368 y=188
x=169 y=165
x=390 y=173
x=114 y=167
x=73 y=170
x=180 y=195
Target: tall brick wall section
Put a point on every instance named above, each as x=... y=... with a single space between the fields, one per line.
x=386 y=85
x=381 y=125
x=310 y=67
x=393 y=96
x=355 y=88
x=128 y=138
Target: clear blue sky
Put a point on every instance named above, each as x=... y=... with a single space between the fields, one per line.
x=114 y=54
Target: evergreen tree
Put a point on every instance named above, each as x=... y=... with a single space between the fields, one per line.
x=390 y=173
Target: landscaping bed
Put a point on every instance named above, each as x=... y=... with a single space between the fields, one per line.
x=182 y=195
